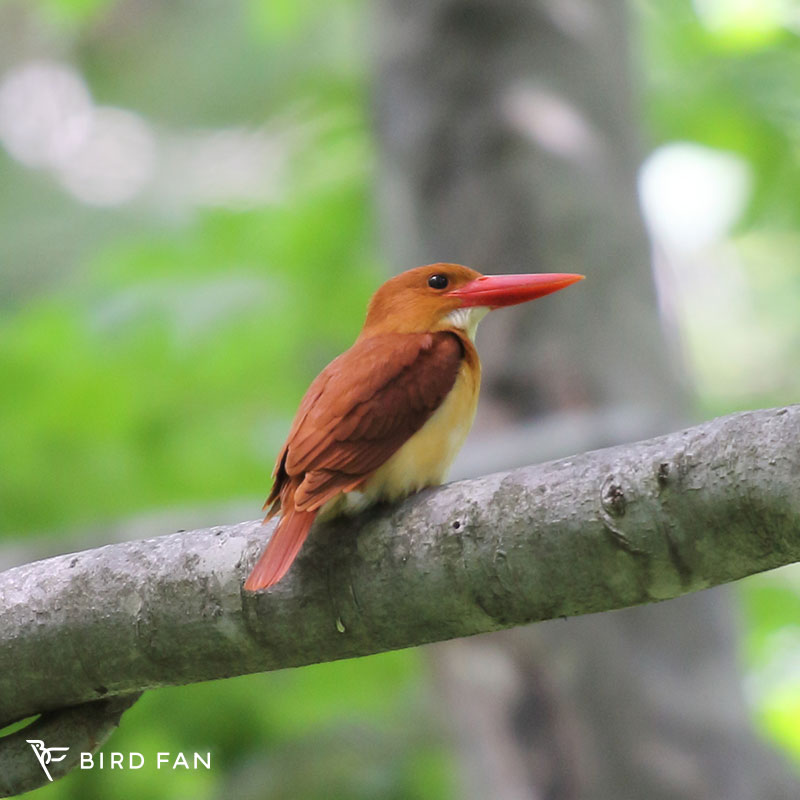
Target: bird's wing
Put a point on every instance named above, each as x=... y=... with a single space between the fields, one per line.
x=359 y=411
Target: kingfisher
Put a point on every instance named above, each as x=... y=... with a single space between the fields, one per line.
x=387 y=417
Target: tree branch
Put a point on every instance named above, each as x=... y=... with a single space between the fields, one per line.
x=607 y=529
x=83 y=729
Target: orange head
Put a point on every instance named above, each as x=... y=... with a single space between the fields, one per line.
x=442 y=296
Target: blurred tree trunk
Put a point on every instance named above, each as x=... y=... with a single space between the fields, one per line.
x=508 y=142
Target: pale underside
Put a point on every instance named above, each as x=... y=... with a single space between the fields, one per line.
x=425 y=458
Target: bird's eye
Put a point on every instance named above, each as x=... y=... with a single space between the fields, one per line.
x=438 y=281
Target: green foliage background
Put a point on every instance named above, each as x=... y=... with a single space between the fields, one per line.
x=151 y=359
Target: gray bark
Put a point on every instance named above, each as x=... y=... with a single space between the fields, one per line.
x=611 y=528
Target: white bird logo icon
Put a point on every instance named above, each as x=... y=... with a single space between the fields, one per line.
x=46 y=755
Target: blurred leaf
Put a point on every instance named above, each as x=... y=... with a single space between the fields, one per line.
x=780 y=717
x=73 y=11
x=772 y=606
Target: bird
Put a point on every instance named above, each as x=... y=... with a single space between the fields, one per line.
x=387 y=417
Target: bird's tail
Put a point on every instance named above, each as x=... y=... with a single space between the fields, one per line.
x=281 y=550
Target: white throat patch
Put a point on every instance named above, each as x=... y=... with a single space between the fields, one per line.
x=467 y=319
